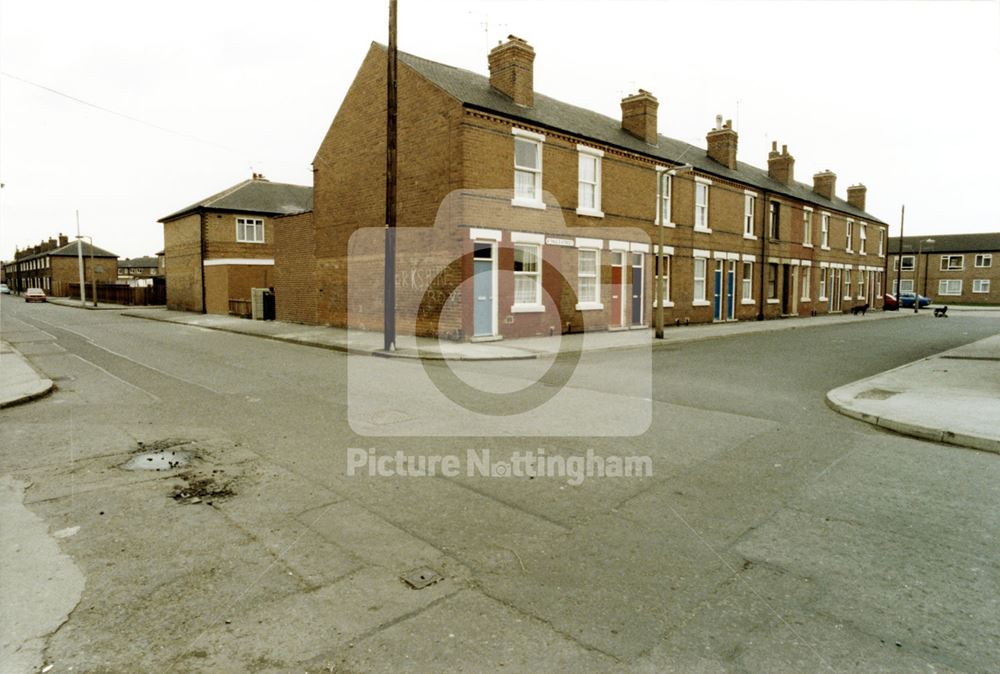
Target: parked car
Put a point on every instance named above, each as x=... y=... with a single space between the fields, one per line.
x=906 y=300
x=34 y=295
x=4 y=290
x=889 y=302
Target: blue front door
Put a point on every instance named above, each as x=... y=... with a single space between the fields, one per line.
x=718 y=290
x=636 y=288
x=730 y=291
x=482 y=289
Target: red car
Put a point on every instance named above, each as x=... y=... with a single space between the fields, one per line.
x=34 y=295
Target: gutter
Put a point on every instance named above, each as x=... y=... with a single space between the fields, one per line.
x=201 y=250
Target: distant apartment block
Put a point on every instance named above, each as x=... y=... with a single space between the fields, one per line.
x=951 y=268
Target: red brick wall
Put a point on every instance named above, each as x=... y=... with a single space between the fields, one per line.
x=296 y=293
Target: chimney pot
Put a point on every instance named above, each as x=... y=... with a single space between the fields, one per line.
x=722 y=142
x=639 y=116
x=781 y=166
x=825 y=183
x=856 y=196
x=512 y=70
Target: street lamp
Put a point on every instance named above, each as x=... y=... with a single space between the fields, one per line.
x=916 y=275
x=93 y=270
x=664 y=218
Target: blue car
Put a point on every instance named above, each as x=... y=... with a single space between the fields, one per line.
x=906 y=300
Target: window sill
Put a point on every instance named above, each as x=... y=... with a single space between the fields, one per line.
x=806 y=245
x=245 y=241
x=589 y=306
x=701 y=303
x=590 y=212
x=703 y=230
x=804 y=300
x=527 y=309
x=749 y=237
x=849 y=251
x=666 y=305
x=526 y=203
x=824 y=247
x=748 y=302
x=772 y=301
x=666 y=224
x=863 y=253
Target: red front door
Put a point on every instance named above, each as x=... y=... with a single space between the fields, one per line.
x=616 y=290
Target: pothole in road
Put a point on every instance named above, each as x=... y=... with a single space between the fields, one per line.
x=166 y=459
x=160 y=455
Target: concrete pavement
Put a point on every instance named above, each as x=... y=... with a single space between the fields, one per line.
x=953 y=397
x=19 y=381
x=361 y=342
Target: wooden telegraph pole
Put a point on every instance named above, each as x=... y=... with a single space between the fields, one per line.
x=389 y=323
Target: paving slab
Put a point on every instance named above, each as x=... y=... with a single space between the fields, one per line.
x=19 y=381
x=952 y=397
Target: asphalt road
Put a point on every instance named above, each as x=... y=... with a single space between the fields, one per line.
x=772 y=535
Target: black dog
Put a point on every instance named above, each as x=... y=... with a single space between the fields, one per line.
x=860 y=309
x=941 y=312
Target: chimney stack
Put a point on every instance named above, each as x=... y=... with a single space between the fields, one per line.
x=512 y=70
x=825 y=183
x=639 y=116
x=781 y=165
x=63 y=240
x=856 y=196
x=722 y=143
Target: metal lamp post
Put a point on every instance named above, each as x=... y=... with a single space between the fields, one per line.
x=916 y=275
x=93 y=270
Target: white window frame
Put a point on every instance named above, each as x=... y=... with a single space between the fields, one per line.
x=664 y=279
x=536 y=305
x=806 y=282
x=946 y=284
x=946 y=263
x=749 y=210
x=862 y=238
x=243 y=223
x=746 y=284
x=698 y=300
x=881 y=242
x=862 y=283
x=824 y=231
x=981 y=285
x=589 y=154
x=807 y=227
x=538 y=140
x=594 y=301
x=702 y=186
x=983 y=260
x=907 y=282
x=774 y=220
x=847 y=284
x=849 y=236
x=897 y=265
x=664 y=203
x=822 y=286
x=771 y=282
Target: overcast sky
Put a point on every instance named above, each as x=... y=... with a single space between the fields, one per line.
x=902 y=96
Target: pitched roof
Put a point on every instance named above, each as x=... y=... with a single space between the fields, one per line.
x=948 y=243
x=474 y=90
x=254 y=196
x=70 y=250
x=147 y=261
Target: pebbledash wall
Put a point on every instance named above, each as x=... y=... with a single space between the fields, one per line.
x=573 y=220
x=952 y=269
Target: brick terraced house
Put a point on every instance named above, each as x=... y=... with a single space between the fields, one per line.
x=952 y=268
x=219 y=248
x=552 y=215
x=54 y=264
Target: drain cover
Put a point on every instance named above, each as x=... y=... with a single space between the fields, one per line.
x=421 y=578
x=166 y=459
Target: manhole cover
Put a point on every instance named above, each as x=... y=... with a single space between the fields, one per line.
x=421 y=578
x=876 y=394
x=166 y=459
